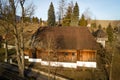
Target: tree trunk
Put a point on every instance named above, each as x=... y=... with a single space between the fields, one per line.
x=22 y=54
x=21 y=71
x=21 y=35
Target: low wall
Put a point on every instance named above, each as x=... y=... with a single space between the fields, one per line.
x=64 y=64
x=9 y=46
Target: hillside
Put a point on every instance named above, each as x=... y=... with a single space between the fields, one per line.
x=104 y=23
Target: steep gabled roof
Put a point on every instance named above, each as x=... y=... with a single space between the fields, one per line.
x=100 y=34
x=66 y=37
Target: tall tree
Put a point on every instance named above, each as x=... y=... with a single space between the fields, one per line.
x=22 y=64
x=88 y=14
x=75 y=15
x=67 y=18
x=16 y=36
x=109 y=31
x=5 y=26
x=51 y=15
x=82 y=21
x=16 y=30
x=61 y=10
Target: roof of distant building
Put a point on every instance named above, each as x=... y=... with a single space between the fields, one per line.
x=100 y=34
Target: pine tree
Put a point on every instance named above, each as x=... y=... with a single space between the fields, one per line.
x=51 y=15
x=35 y=19
x=75 y=15
x=67 y=18
x=82 y=21
x=93 y=25
x=99 y=26
x=109 y=31
x=27 y=19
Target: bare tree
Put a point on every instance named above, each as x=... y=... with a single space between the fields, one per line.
x=61 y=10
x=8 y=14
x=88 y=14
x=5 y=26
x=52 y=52
x=5 y=32
x=49 y=45
x=21 y=35
x=16 y=36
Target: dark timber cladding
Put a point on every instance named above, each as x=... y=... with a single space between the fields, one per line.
x=70 y=43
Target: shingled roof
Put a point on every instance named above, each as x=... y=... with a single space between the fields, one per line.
x=66 y=37
x=100 y=34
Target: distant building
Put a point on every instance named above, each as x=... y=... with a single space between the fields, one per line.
x=63 y=46
x=101 y=37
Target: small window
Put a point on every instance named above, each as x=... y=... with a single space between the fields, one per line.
x=66 y=54
x=73 y=54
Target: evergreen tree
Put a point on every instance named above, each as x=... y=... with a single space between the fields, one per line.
x=109 y=31
x=82 y=21
x=99 y=26
x=75 y=15
x=27 y=19
x=93 y=25
x=35 y=20
x=67 y=18
x=51 y=15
